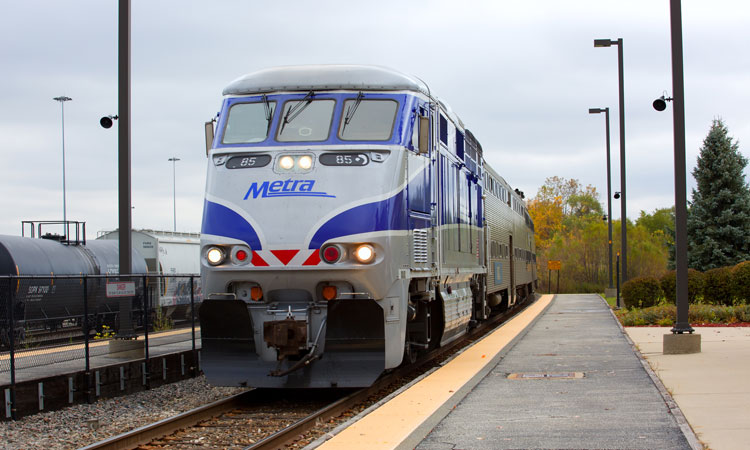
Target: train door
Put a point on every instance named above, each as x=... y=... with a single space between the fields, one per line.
x=512 y=287
x=419 y=191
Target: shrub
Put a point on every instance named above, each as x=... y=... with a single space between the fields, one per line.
x=696 y=280
x=741 y=281
x=668 y=285
x=742 y=313
x=665 y=315
x=717 y=286
x=641 y=292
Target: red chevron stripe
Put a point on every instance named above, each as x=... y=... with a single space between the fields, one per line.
x=257 y=260
x=284 y=255
x=313 y=260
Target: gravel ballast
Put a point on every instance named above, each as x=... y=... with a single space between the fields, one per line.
x=84 y=424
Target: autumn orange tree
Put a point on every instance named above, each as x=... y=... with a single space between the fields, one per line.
x=570 y=227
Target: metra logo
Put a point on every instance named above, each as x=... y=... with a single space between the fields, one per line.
x=288 y=188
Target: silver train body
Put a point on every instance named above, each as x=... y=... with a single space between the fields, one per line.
x=350 y=222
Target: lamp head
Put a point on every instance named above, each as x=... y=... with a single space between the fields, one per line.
x=602 y=43
x=660 y=104
x=106 y=121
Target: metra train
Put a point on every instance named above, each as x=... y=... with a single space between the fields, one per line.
x=350 y=222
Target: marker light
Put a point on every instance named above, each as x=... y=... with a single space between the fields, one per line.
x=256 y=293
x=215 y=256
x=240 y=255
x=329 y=292
x=304 y=162
x=286 y=162
x=330 y=254
x=364 y=253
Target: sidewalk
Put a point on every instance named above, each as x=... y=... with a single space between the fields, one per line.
x=712 y=388
x=572 y=382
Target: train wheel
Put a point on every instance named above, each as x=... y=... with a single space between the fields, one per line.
x=411 y=354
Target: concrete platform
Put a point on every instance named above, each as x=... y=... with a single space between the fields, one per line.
x=572 y=381
x=712 y=388
x=68 y=359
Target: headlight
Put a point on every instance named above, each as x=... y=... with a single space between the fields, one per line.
x=215 y=256
x=304 y=162
x=286 y=162
x=365 y=253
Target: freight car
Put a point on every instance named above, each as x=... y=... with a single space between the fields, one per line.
x=168 y=253
x=350 y=222
x=46 y=301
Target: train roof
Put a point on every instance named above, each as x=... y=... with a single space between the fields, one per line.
x=324 y=77
x=161 y=236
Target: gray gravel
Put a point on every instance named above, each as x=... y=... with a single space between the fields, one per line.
x=81 y=425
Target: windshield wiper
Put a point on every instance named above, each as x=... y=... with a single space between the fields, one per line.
x=269 y=113
x=351 y=110
x=295 y=111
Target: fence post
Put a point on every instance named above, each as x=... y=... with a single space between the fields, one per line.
x=86 y=323
x=12 y=341
x=145 y=328
x=192 y=321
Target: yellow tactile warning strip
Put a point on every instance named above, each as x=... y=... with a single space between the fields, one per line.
x=398 y=420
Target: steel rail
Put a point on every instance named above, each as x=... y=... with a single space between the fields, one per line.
x=289 y=434
x=146 y=434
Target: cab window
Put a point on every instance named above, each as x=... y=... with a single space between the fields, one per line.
x=305 y=121
x=248 y=122
x=367 y=120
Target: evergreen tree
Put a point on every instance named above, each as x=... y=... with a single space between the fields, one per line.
x=719 y=216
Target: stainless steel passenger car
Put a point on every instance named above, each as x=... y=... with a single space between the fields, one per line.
x=350 y=221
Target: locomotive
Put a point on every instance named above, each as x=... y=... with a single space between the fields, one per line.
x=350 y=223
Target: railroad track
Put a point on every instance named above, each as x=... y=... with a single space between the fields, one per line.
x=259 y=419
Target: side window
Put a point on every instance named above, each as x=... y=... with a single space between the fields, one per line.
x=443 y=130
x=415 y=131
x=459 y=144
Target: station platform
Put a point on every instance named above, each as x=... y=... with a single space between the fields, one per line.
x=39 y=364
x=561 y=375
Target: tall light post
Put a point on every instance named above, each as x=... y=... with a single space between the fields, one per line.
x=609 y=192
x=174 y=160
x=62 y=99
x=623 y=213
x=683 y=339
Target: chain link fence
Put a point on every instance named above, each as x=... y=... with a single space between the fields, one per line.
x=70 y=320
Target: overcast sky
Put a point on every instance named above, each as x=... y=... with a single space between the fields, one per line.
x=521 y=75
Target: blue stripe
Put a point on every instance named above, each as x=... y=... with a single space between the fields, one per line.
x=222 y=221
x=389 y=214
x=300 y=194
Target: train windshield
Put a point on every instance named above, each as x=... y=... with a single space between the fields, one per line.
x=368 y=120
x=248 y=122
x=306 y=120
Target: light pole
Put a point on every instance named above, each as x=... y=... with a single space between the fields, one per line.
x=174 y=160
x=62 y=99
x=623 y=213
x=609 y=192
